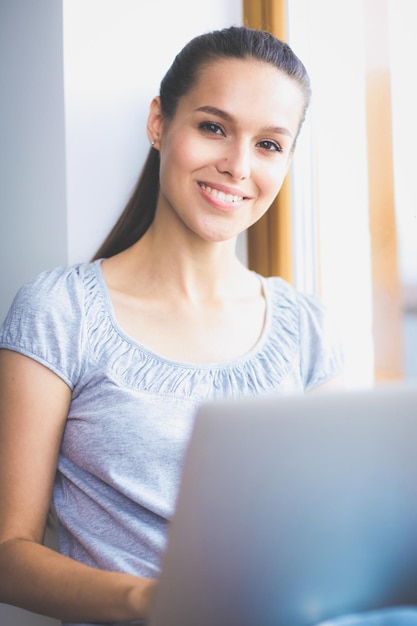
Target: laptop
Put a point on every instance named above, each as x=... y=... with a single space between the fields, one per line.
x=294 y=510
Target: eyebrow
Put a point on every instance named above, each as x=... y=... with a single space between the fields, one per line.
x=280 y=130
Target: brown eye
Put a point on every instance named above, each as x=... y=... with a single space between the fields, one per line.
x=270 y=146
x=211 y=127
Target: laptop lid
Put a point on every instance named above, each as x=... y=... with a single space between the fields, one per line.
x=294 y=510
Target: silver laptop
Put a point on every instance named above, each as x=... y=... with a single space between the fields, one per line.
x=294 y=510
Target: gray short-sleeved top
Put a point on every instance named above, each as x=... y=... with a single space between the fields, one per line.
x=132 y=410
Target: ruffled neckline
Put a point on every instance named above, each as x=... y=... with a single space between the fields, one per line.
x=261 y=369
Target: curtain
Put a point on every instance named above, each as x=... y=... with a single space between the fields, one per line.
x=270 y=250
x=386 y=297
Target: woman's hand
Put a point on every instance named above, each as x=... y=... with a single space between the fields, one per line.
x=142 y=597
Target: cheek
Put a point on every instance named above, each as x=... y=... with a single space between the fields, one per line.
x=180 y=155
x=174 y=167
x=271 y=179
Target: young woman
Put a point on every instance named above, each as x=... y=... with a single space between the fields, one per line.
x=103 y=364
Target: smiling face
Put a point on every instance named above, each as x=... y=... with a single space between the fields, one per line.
x=225 y=154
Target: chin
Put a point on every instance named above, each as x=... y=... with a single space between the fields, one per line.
x=219 y=237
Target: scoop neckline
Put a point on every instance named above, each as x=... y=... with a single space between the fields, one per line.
x=209 y=365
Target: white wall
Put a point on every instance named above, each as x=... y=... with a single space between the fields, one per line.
x=116 y=53
x=32 y=150
x=33 y=234
x=68 y=159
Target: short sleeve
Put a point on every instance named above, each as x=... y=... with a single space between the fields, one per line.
x=321 y=352
x=46 y=322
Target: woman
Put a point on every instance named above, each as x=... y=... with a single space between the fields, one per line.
x=103 y=364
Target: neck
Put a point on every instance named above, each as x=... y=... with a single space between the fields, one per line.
x=195 y=269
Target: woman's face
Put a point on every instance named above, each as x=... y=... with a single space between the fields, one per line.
x=224 y=155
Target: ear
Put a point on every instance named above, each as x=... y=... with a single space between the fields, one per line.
x=155 y=123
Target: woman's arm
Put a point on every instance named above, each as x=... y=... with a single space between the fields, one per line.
x=333 y=385
x=34 y=404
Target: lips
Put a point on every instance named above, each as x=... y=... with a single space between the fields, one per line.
x=221 y=195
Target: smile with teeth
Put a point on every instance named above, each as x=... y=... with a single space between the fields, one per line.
x=220 y=195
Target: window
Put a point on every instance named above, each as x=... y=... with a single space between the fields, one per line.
x=352 y=221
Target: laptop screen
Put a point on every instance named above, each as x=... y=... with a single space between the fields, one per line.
x=295 y=510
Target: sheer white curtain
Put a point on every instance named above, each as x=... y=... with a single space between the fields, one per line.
x=330 y=201
x=403 y=52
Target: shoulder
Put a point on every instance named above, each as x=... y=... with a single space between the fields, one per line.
x=60 y=290
x=59 y=282
x=46 y=320
x=319 y=339
x=307 y=309
x=310 y=311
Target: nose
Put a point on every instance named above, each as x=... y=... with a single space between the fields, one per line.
x=236 y=160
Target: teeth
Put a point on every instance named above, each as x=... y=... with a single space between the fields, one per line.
x=224 y=197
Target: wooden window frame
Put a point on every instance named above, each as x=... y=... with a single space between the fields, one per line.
x=270 y=250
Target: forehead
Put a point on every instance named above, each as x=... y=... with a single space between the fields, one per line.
x=248 y=87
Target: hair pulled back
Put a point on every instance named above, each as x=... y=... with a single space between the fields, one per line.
x=238 y=42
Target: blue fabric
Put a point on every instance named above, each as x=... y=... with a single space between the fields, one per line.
x=404 y=616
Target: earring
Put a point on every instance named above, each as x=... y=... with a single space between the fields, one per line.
x=152 y=143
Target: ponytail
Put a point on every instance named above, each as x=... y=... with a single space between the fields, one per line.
x=138 y=214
